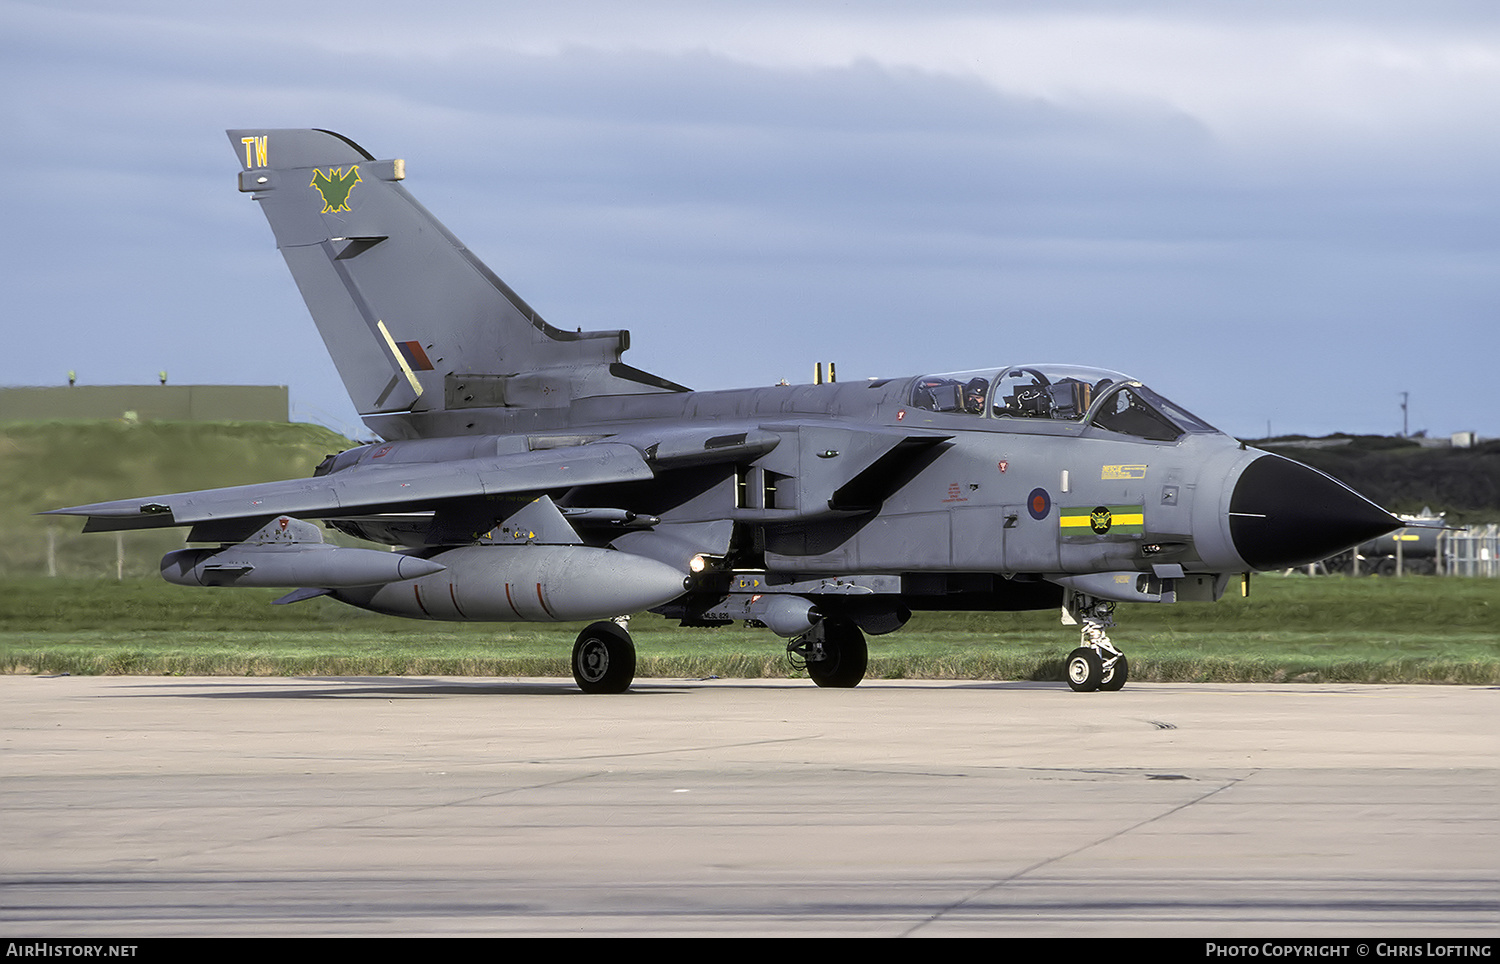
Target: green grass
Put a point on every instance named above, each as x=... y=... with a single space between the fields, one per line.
x=1418 y=629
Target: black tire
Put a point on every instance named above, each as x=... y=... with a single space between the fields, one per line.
x=1084 y=669
x=604 y=659
x=1115 y=675
x=845 y=656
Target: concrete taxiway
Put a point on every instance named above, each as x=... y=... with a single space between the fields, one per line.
x=140 y=806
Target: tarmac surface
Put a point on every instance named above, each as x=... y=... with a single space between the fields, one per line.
x=140 y=806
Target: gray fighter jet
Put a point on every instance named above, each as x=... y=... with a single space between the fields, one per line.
x=530 y=475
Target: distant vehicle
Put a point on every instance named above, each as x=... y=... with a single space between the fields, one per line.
x=529 y=474
x=1410 y=550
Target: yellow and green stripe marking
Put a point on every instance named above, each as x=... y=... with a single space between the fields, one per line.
x=1088 y=522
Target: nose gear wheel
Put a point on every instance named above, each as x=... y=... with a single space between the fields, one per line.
x=1096 y=664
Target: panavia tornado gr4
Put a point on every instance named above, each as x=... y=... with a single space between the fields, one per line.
x=530 y=475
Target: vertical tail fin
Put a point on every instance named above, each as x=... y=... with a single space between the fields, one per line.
x=414 y=321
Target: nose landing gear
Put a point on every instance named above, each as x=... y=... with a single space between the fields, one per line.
x=1097 y=664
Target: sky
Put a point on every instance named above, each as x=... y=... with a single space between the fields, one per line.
x=1281 y=215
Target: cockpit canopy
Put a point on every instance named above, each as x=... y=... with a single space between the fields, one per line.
x=1071 y=393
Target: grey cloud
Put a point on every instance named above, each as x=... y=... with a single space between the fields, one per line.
x=747 y=219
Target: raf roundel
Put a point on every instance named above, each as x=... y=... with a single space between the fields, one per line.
x=1039 y=503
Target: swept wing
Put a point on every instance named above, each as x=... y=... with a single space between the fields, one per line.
x=370 y=489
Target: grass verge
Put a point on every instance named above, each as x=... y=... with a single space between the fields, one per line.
x=1292 y=629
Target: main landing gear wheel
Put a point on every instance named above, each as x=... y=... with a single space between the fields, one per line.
x=604 y=659
x=845 y=656
x=1085 y=670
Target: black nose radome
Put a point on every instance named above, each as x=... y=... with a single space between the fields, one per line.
x=1284 y=514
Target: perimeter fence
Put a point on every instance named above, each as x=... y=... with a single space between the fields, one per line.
x=1473 y=551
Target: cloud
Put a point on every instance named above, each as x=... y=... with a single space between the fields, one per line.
x=1208 y=196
